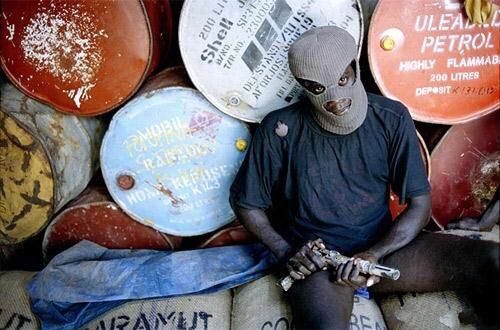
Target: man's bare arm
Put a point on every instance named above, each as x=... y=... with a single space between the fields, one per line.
x=299 y=265
x=406 y=227
x=257 y=222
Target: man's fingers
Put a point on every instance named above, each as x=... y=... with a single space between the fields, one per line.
x=340 y=270
x=372 y=280
x=319 y=243
x=305 y=261
x=297 y=275
x=298 y=265
x=351 y=275
x=346 y=273
x=316 y=260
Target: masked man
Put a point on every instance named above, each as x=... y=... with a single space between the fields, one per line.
x=320 y=172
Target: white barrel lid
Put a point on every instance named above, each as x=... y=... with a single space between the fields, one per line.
x=236 y=51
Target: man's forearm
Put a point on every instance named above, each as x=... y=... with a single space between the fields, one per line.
x=257 y=222
x=406 y=227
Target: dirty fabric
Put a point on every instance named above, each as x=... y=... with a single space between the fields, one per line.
x=87 y=280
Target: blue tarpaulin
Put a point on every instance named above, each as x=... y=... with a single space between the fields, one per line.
x=87 y=280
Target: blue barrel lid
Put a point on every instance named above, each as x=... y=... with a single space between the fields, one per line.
x=169 y=158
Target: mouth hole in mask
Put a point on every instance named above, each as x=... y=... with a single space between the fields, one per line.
x=338 y=107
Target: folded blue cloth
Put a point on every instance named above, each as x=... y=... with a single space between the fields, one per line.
x=87 y=280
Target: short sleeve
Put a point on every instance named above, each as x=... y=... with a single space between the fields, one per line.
x=254 y=182
x=407 y=171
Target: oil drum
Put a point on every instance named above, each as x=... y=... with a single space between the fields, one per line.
x=243 y=45
x=169 y=158
x=433 y=59
x=94 y=217
x=82 y=57
x=466 y=169
x=46 y=159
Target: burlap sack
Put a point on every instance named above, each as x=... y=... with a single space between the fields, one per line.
x=15 y=311
x=261 y=305
x=203 y=312
x=436 y=311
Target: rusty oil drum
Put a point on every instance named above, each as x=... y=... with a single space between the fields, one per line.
x=82 y=57
x=466 y=169
x=94 y=217
x=431 y=58
x=46 y=159
x=169 y=158
x=242 y=47
x=233 y=234
x=394 y=203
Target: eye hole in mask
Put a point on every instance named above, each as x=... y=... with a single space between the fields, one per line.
x=349 y=76
x=312 y=86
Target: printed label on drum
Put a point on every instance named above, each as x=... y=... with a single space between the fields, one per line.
x=447 y=67
x=243 y=46
x=169 y=160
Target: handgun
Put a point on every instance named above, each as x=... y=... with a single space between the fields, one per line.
x=333 y=259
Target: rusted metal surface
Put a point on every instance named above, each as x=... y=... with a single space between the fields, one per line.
x=27 y=182
x=433 y=59
x=170 y=77
x=182 y=155
x=48 y=158
x=466 y=169
x=229 y=236
x=394 y=203
x=236 y=51
x=82 y=57
x=232 y=234
x=94 y=217
x=431 y=133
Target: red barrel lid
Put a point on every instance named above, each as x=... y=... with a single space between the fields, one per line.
x=466 y=169
x=81 y=57
x=433 y=59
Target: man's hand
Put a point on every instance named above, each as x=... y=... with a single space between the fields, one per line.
x=305 y=261
x=348 y=273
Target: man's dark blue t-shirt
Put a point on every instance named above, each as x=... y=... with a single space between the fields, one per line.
x=335 y=187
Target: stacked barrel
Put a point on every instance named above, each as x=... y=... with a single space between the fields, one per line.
x=177 y=136
x=446 y=70
x=89 y=84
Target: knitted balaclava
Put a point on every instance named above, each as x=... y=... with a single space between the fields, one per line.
x=322 y=55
